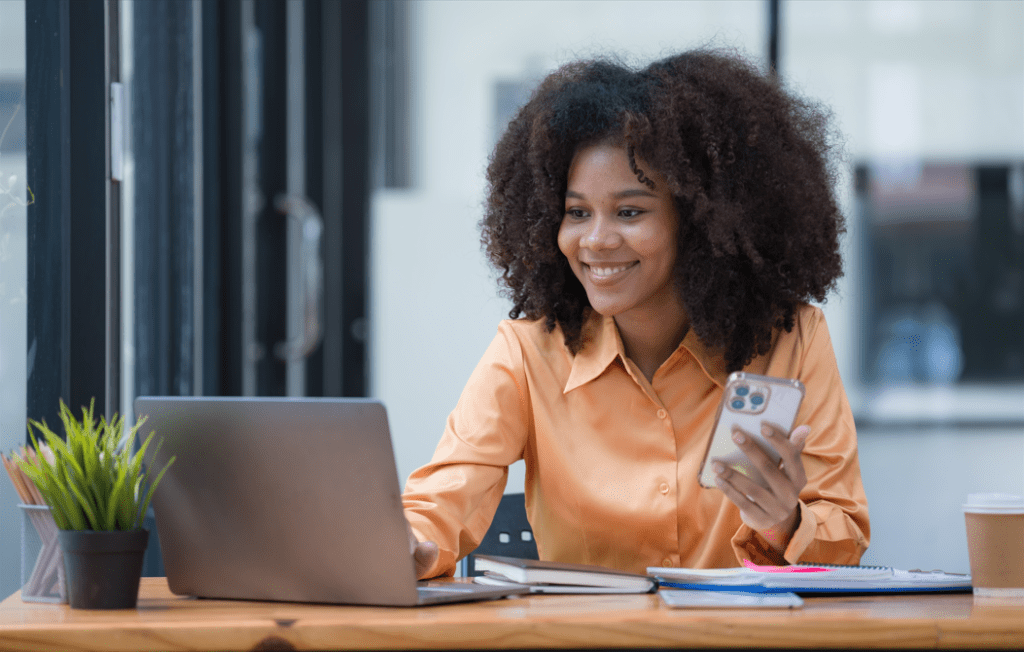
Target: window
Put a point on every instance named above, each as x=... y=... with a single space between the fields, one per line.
x=14 y=197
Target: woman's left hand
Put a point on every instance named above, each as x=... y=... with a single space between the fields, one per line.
x=775 y=512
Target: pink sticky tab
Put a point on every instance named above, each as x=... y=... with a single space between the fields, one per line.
x=782 y=569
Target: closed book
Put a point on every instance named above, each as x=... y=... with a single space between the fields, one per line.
x=534 y=572
x=497 y=580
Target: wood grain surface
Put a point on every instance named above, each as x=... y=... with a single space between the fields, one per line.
x=163 y=621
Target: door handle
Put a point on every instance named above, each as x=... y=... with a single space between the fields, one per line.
x=302 y=210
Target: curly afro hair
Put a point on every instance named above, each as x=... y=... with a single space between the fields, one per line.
x=750 y=167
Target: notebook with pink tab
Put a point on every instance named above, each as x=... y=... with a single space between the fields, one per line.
x=811 y=579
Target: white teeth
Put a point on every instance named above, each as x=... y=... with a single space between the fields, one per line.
x=601 y=272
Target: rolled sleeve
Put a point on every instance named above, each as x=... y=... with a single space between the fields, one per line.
x=748 y=544
x=451 y=500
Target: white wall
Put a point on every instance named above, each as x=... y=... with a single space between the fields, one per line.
x=434 y=302
x=917 y=481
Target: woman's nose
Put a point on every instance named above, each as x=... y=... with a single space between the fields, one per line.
x=601 y=235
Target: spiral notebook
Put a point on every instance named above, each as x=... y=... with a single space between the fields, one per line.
x=811 y=580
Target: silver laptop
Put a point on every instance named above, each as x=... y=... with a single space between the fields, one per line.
x=285 y=499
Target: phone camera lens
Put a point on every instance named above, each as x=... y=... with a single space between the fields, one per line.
x=742 y=390
x=756 y=399
x=737 y=404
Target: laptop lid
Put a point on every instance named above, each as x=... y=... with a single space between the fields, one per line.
x=279 y=499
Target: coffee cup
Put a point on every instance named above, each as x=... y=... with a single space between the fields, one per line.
x=995 y=544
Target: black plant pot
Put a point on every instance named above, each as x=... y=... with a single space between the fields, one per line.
x=103 y=568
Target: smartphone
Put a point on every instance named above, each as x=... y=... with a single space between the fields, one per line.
x=748 y=400
x=694 y=598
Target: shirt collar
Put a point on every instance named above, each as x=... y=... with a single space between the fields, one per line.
x=711 y=360
x=602 y=345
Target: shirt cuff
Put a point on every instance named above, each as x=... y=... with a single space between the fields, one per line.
x=444 y=566
x=804 y=535
x=748 y=544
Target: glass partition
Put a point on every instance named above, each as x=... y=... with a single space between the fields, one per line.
x=14 y=196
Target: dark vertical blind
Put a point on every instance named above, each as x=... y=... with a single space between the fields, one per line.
x=222 y=28
x=390 y=62
x=773 y=36
x=355 y=194
x=314 y=146
x=47 y=45
x=88 y=152
x=162 y=136
x=213 y=80
x=68 y=299
x=271 y=227
x=345 y=192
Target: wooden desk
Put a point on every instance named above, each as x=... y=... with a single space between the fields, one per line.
x=164 y=621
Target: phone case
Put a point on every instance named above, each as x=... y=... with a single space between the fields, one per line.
x=748 y=400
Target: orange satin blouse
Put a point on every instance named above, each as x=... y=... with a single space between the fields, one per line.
x=612 y=460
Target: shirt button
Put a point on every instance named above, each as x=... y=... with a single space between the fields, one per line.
x=662 y=414
x=667 y=563
x=663 y=487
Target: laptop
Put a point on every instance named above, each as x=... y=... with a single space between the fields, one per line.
x=285 y=499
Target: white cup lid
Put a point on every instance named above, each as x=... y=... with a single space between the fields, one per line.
x=994 y=504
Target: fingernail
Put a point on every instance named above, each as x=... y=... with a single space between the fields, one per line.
x=766 y=431
x=738 y=437
x=718 y=467
x=802 y=431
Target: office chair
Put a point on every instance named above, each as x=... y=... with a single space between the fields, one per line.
x=509 y=535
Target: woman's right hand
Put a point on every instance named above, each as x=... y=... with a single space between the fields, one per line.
x=424 y=553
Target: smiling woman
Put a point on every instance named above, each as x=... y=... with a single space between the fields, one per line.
x=619 y=237
x=655 y=230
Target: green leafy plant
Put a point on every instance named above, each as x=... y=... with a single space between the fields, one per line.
x=92 y=481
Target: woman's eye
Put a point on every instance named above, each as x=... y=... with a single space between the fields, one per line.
x=576 y=213
x=629 y=212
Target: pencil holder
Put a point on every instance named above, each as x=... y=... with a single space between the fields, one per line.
x=42 y=563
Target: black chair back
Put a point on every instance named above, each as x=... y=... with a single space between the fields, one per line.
x=510 y=534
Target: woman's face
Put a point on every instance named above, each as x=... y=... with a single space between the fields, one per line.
x=619 y=235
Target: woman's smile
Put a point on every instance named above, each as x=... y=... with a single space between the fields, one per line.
x=608 y=272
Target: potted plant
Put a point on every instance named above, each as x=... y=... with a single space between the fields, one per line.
x=97 y=492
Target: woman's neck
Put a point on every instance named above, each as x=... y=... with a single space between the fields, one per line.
x=649 y=340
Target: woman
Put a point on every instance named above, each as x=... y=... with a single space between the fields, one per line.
x=655 y=230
